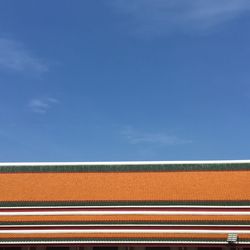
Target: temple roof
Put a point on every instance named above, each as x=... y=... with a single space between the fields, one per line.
x=198 y=202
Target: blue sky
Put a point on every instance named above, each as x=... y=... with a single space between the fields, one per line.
x=122 y=80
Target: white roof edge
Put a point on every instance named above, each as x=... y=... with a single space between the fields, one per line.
x=2 y=164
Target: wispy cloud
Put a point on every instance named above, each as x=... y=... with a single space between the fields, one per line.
x=14 y=56
x=160 y=16
x=137 y=137
x=42 y=105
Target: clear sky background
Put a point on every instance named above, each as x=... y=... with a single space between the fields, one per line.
x=117 y=80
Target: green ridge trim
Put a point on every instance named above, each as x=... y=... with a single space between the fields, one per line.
x=123 y=203
x=125 y=168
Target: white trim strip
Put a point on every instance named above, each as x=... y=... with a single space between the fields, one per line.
x=115 y=231
x=115 y=242
x=124 y=225
x=3 y=164
x=236 y=213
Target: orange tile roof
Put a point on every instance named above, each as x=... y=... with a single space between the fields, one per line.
x=162 y=202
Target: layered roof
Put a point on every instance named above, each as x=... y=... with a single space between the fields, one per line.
x=125 y=202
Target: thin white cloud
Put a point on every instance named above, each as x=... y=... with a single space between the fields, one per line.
x=14 y=56
x=160 y=16
x=136 y=137
x=42 y=105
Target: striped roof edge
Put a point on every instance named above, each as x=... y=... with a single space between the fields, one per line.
x=135 y=203
x=140 y=166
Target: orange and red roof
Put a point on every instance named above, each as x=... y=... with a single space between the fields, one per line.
x=125 y=202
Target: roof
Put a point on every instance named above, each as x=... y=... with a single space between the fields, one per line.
x=198 y=202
